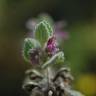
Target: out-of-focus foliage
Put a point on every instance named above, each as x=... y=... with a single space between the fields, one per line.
x=86 y=83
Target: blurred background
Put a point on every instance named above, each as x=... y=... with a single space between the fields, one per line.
x=80 y=48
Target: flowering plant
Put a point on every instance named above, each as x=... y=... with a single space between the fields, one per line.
x=48 y=75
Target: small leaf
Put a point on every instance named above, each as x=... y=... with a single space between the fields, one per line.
x=52 y=59
x=37 y=73
x=42 y=32
x=60 y=59
x=29 y=44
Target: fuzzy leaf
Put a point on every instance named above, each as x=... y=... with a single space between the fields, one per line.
x=48 y=19
x=42 y=32
x=52 y=59
x=49 y=27
x=60 y=59
x=29 y=44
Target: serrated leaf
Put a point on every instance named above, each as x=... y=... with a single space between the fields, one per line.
x=29 y=43
x=52 y=59
x=49 y=27
x=47 y=18
x=42 y=32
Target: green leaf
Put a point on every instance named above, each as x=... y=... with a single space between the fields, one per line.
x=47 y=18
x=29 y=43
x=52 y=59
x=60 y=58
x=42 y=32
x=49 y=27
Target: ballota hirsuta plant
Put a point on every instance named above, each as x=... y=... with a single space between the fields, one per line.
x=48 y=75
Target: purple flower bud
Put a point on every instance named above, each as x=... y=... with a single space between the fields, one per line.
x=52 y=46
x=35 y=56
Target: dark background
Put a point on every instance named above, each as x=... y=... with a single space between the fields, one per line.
x=80 y=49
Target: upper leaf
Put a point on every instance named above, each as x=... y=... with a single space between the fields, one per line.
x=43 y=31
x=29 y=43
x=47 y=18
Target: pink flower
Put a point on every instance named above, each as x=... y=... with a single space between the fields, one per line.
x=59 y=31
x=51 y=47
